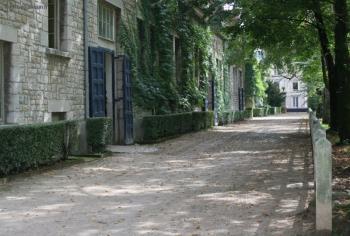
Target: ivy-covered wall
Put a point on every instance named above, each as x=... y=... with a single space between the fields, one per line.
x=174 y=57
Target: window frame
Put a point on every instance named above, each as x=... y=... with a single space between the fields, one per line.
x=2 y=87
x=105 y=21
x=296 y=102
x=297 y=86
x=56 y=24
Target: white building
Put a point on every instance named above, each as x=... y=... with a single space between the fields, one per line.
x=293 y=87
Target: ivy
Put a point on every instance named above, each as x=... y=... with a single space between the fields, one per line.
x=153 y=69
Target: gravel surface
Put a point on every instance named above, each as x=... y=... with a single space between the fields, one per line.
x=250 y=178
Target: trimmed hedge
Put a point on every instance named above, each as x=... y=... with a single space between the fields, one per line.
x=248 y=113
x=272 y=110
x=28 y=146
x=99 y=133
x=230 y=117
x=265 y=111
x=259 y=112
x=162 y=126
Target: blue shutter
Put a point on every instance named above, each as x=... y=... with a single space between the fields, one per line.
x=97 y=90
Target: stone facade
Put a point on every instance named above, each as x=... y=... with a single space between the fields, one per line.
x=40 y=81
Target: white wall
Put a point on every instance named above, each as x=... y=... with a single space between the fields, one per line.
x=286 y=85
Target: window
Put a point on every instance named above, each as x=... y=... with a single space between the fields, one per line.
x=106 y=18
x=2 y=97
x=295 y=86
x=58 y=116
x=296 y=102
x=56 y=10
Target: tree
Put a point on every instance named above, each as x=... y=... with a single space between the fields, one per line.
x=274 y=96
x=293 y=31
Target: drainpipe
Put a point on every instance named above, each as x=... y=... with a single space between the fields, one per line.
x=83 y=147
x=86 y=59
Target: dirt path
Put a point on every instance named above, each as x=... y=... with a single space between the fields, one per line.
x=252 y=178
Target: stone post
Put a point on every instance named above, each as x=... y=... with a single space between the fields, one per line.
x=323 y=177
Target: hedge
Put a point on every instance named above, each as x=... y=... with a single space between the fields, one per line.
x=28 y=146
x=272 y=110
x=230 y=117
x=259 y=112
x=248 y=113
x=161 y=126
x=99 y=133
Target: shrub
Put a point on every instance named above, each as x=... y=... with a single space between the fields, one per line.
x=272 y=110
x=248 y=113
x=162 y=126
x=99 y=133
x=259 y=112
x=202 y=120
x=230 y=117
x=29 y=146
x=238 y=116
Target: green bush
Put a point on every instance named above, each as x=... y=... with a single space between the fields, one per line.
x=248 y=113
x=230 y=117
x=162 y=126
x=29 y=146
x=259 y=112
x=99 y=133
x=272 y=111
x=238 y=116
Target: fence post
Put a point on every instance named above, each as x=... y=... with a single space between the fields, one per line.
x=323 y=176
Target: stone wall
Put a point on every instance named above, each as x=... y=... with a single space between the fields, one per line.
x=38 y=80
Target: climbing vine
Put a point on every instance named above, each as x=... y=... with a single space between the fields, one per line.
x=150 y=45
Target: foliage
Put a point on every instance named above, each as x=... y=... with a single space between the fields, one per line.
x=29 y=146
x=259 y=112
x=149 y=43
x=275 y=97
x=99 y=133
x=255 y=85
x=229 y=117
x=248 y=113
x=162 y=126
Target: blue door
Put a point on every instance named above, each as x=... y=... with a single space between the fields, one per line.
x=97 y=90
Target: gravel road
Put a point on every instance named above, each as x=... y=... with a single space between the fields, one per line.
x=250 y=178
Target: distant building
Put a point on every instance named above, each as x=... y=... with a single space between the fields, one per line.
x=293 y=87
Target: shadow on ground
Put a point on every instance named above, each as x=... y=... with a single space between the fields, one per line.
x=252 y=178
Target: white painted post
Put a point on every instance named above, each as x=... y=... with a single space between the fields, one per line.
x=323 y=176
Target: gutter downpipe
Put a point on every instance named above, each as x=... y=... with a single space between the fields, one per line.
x=83 y=147
x=86 y=59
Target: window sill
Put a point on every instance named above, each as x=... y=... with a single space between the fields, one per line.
x=58 y=53
x=106 y=39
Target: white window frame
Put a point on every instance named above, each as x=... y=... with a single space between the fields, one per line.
x=2 y=90
x=57 y=24
x=296 y=102
x=106 y=21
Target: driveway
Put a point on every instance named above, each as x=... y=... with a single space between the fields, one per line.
x=249 y=178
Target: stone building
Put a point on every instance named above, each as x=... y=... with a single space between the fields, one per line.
x=41 y=61
x=63 y=60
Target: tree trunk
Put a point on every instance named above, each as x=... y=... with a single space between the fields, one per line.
x=328 y=60
x=342 y=67
x=325 y=99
